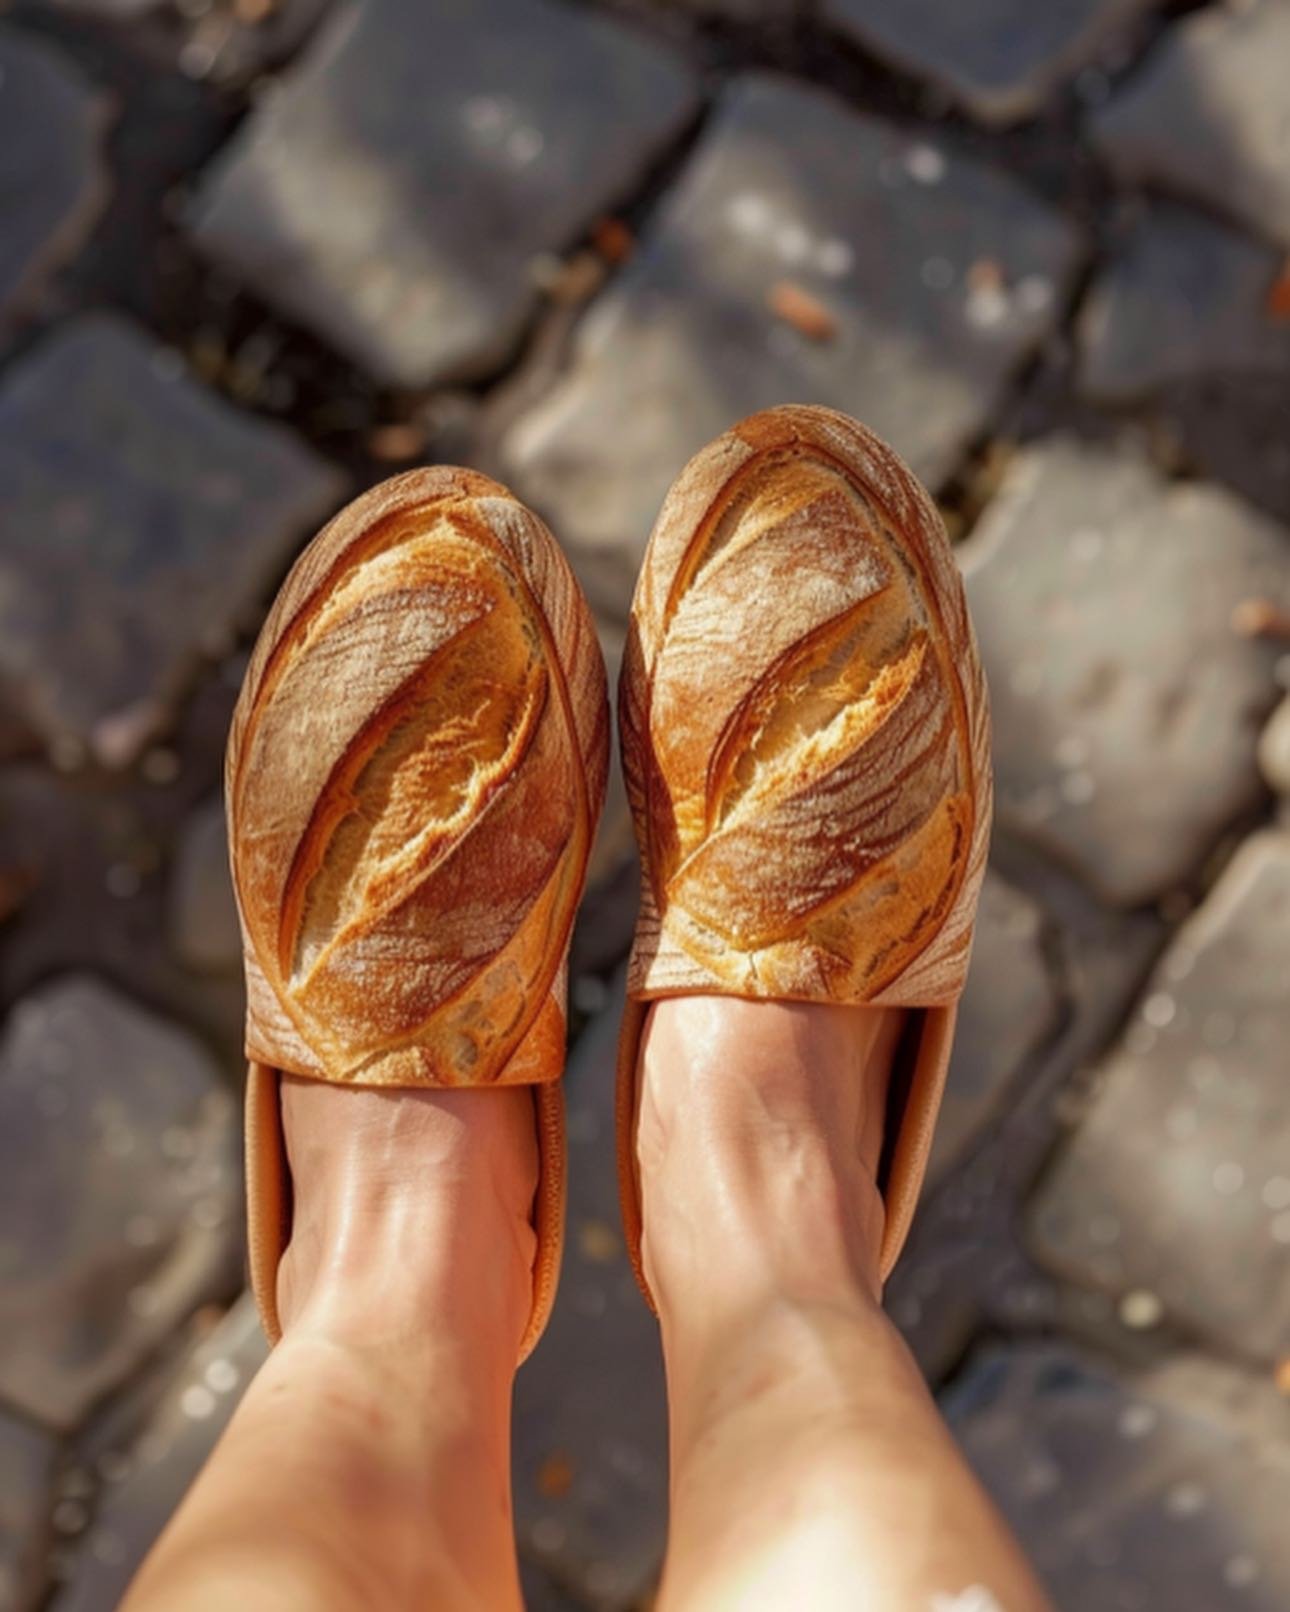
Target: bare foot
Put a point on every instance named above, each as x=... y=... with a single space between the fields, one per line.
x=369 y=1463
x=761 y=1127
x=406 y=1202
x=809 y=1465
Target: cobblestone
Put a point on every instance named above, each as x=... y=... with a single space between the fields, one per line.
x=230 y=41
x=965 y=1269
x=541 y=1592
x=591 y=1424
x=83 y=869
x=886 y=232
x=27 y=1460
x=145 y=1482
x=1231 y=429
x=52 y=179
x=114 y=10
x=145 y=518
x=1127 y=703
x=1165 y=1490
x=1176 y=1183
x=203 y=915
x=1184 y=298
x=394 y=193
x=1001 y=59
x=1009 y=1006
x=1209 y=116
x=118 y=1159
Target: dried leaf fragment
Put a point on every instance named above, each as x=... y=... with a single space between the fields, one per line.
x=806 y=313
x=555 y=1476
x=985 y=275
x=1278 y=299
x=398 y=441
x=613 y=240
x=1260 y=618
x=598 y=1242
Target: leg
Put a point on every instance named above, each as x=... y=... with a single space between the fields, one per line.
x=369 y=1464
x=810 y=1467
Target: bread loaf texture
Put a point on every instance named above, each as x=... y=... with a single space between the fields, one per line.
x=414 y=773
x=805 y=729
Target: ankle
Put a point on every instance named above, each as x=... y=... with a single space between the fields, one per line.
x=386 y=1292
x=758 y=1142
x=716 y=1268
x=410 y=1207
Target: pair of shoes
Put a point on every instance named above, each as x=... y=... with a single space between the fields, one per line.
x=417 y=764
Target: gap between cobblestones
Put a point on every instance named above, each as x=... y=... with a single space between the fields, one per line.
x=1045 y=152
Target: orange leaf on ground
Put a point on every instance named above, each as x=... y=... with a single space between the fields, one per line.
x=1260 y=618
x=613 y=240
x=1278 y=301
x=598 y=1242
x=985 y=275
x=400 y=439
x=806 y=313
x=555 y=1476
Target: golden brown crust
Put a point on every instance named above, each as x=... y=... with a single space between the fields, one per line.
x=414 y=772
x=805 y=729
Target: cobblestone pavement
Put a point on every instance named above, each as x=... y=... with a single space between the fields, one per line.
x=256 y=254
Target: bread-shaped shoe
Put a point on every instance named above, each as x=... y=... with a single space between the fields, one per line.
x=805 y=739
x=414 y=773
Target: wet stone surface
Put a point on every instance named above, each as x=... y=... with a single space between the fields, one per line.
x=52 y=179
x=394 y=191
x=203 y=915
x=762 y=12
x=1185 y=297
x=933 y=277
x=115 y=10
x=1177 y=1184
x=229 y=42
x=1009 y=1006
x=144 y=519
x=1167 y=1489
x=85 y=876
x=1209 y=116
x=966 y=1268
x=1231 y=429
x=137 y=1487
x=1127 y=701
x=1000 y=59
x=590 y=1440
x=27 y=1459
x=120 y=1193
x=771 y=15
x=542 y=1593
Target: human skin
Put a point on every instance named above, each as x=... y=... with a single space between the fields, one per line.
x=368 y=1464
x=810 y=1466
